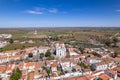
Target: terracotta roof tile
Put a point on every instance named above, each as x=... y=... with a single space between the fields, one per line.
x=104 y=76
x=2 y=68
x=30 y=64
x=31 y=76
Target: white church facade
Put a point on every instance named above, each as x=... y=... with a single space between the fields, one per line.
x=60 y=50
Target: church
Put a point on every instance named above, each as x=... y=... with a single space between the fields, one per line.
x=60 y=50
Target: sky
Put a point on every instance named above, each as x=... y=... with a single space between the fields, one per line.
x=59 y=13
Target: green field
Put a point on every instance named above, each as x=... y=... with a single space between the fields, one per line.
x=78 y=34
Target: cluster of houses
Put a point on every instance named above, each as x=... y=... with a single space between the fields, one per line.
x=5 y=36
x=76 y=66
x=13 y=55
x=3 y=43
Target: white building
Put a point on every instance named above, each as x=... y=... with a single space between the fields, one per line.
x=72 y=52
x=43 y=49
x=87 y=71
x=100 y=66
x=4 y=43
x=60 y=50
x=54 y=67
x=111 y=73
x=5 y=35
x=93 y=60
x=66 y=64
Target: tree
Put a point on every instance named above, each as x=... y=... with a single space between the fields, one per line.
x=66 y=71
x=96 y=54
x=16 y=75
x=48 y=53
x=47 y=70
x=41 y=55
x=23 y=47
x=30 y=55
x=58 y=68
x=51 y=58
x=1 y=49
x=99 y=79
x=61 y=73
x=108 y=42
x=81 y=50
x=82 y=65
x=115 y=40
x=92 y=68
x=73 y=70
x=116 y=54
x=11 y=41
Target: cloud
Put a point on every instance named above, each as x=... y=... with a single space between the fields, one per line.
x=34 y=12
x=118 y=10
x=53 y=10
x=41 y=10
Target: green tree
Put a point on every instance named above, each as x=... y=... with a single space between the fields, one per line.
x=1 y=49
x=11 y=41
x=48 y=71
x=92 y=68
x=23 y=47
x=61 y=73
x=16 y=75
x=99 y=79
x=41 y=55
x=83 y=65
x=116 y=54
x=73 y=70
x=51 y=58
x=58 y=68
x=81 y=50
x=115 y=40
x=96 y=54
x=108 y=42
x=30 y=55
x=48 y=53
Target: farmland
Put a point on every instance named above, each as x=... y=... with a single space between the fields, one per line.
x=80 y=35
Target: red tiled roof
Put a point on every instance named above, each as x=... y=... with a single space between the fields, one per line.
x=31 y=76
x=76 y=78
x=104 y=76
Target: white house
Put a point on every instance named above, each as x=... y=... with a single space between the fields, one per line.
x=43 y=49
x=72 y=52
x=54 y=67
x=97 y=73
x=93 y=60
x=36 y=75
x=66 y=64
x=87 y=71
x=2 y=44
x=9 y=68
x=30 y=66
x=111 y=73
x=5 y=35
x=100 y=66
x=4 y=59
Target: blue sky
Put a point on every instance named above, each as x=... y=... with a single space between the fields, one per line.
x=59 y=13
